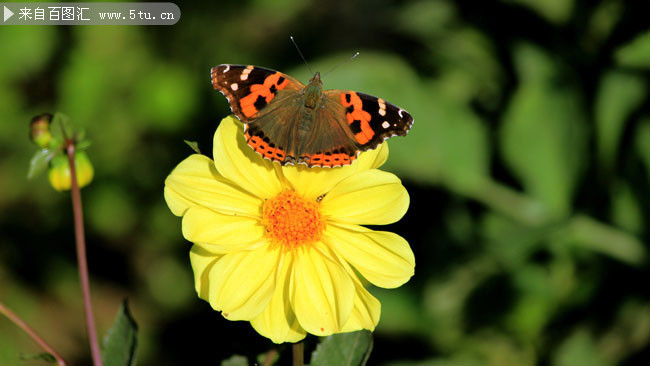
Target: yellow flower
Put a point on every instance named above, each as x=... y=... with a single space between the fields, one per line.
x=281 y=247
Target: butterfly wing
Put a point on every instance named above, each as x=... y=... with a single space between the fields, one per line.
x=265 y=100
x=366 y=120
x=250 y=89
x=330 y=142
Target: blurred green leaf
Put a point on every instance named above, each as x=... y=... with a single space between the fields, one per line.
x=511 y=242
x=163 y=271
x=536 y=303
x=626 y=211
x=469 y=69
x=579 y=349
x=629 y=332
x=83 y=145
x=618 y=95
x=121 y=341
x=400 y=312
x=39 y=162
x=235 y=360
x=427 y=18
x=343 y=349
x=636 y=53
x=643 y=143
x=557 y=11
x=594 y=235
x=603 y=19
x=444 y=302
x=44 y=356
x=61 y=126
x=26 y=50
x=165 y=96
x=111 y=210
x=543 y=131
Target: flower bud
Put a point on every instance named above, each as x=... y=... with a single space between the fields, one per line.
x=59 y=172
x=39 y=130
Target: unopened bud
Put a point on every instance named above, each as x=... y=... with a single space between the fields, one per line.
x=59 y=172
x=39 y=130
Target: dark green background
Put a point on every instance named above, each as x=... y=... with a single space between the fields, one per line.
x=528 y=168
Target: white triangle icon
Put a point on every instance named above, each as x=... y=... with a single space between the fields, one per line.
x=8 y=13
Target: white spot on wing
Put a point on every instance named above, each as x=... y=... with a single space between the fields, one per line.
x=226 y=69
x=382 y=107
x=247 y=70
x=234 y=86
x=385 y=124
x=400 y=113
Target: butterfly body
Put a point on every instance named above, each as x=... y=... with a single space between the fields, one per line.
x=288 y=122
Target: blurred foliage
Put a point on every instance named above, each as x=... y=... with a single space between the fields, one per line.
x=528 y=168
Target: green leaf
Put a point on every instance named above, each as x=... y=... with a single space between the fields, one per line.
x=543 y=134
x=194 y=145
x=235 y=360
x=643 y=143
x=636 y=53
x=39 y=162
x=618 y=95
x=165 y=96
x=626 y=211
x=556 y=11
x=579 y=349
x=83 y=145
x=60 y=124
x=599 y=237
x=121 y=343
x=345 y=349
x=44 y=356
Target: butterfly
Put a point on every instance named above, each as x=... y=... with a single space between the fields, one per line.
x=288 y=122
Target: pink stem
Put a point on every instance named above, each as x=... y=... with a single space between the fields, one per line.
x=32 y=333
x=81 y=255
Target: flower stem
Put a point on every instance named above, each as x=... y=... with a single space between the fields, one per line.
x=81 y=255
x=32 y=333
x=298 y=354
x=270 y=357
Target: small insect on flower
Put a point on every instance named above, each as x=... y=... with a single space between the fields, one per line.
x=282 y=246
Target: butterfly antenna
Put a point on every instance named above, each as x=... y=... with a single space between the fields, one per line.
x=300 y=53
x=342 y=63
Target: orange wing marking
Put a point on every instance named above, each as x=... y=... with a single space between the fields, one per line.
x=262 y=94
x=363 y=133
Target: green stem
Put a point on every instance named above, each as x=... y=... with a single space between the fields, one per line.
x=80 y=240
x=32 y=333
x=298 y=354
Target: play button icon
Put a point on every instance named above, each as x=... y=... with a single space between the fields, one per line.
x=8 y=13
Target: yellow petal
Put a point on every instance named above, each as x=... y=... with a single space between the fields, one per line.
x=236 y=161
x=383 y=258
x=195 y=181
x=241 y=284
x=373 y=159
x=313 y=182
x=278 y=321
x=202 y=262
x=366 y=310
x=371 y=197
x=221 y=233
x=322 y=293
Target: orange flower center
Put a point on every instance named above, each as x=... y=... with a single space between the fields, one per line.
x=291 y=220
